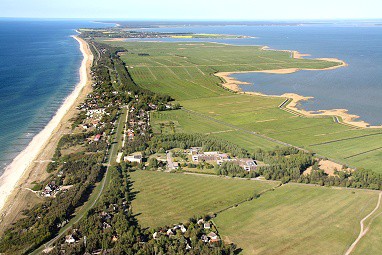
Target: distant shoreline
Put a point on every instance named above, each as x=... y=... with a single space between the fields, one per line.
x=19 y=170
x=347 y=118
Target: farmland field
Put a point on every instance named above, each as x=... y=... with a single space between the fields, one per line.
x=298 y=219
x=185 y=71
x=166 y=199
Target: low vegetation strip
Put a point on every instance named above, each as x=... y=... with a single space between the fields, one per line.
x=365 y=152
x=345 y=139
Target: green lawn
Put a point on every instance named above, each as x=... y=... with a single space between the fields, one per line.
x=298 y=219
x=166 y=199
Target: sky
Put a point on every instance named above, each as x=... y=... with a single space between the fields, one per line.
x=193 y=9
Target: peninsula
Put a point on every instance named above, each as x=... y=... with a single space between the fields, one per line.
x=141 y=156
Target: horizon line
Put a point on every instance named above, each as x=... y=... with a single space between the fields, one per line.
x=198 y=20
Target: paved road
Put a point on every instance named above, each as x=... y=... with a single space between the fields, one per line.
x=170 y=162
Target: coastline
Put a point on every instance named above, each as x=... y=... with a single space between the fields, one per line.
x=30 y=164
x=347 y=118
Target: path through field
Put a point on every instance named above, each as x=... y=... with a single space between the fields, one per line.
x=363 y=231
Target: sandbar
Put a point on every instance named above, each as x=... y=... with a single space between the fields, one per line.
x=347 y=118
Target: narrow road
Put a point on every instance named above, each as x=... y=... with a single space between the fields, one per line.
x=170 y=163
x=363 y=231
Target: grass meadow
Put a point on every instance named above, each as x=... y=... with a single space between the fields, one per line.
x=186 y=72
x=166 y=199
x=297 y=219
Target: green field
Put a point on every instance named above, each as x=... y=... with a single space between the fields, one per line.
x=185 y=71
x=292 y=219
x=298 y=219
x=166 y=199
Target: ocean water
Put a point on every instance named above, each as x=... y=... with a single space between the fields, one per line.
x=357 y=87
x=39 y=68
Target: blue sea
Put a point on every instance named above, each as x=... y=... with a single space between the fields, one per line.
x=357 y=87
x=39 y=68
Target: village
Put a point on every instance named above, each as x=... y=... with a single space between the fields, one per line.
x=188 y=159
x=203 y=229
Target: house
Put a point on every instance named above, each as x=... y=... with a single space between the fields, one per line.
x=69 y=239
x=248 y=164
x=181 y=227
x=134 y=158
x=213 y=237
x=106 y=225
x=97 y=137
x=207 y=225
x=155 y=235
x=175 y=165
x=169 y=232
x=200 y=221
x=105 y=215
x=204 y=238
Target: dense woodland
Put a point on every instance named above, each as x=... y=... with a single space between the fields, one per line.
x=288 y=164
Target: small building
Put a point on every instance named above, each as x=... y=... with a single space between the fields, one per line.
x=169 y=232
x=207 y=225
x=200 y=221
x=183 y=228
x=209 y=156
x=213 y=237
x=137 y=158
x=106 y=225
x=70 y=239
x=97 y=137
x=204 y=238
x=248 y=164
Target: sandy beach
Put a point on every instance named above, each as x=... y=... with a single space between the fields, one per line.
x=351 y=119
x=31 y=163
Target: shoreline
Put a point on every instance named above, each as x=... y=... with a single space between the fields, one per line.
x=347 y=118
x=19 y=171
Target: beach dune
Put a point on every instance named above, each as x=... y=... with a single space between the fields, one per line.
x=23 y=162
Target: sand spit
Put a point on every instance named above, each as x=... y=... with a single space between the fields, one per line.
x=351 y=119
x=18 y=171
